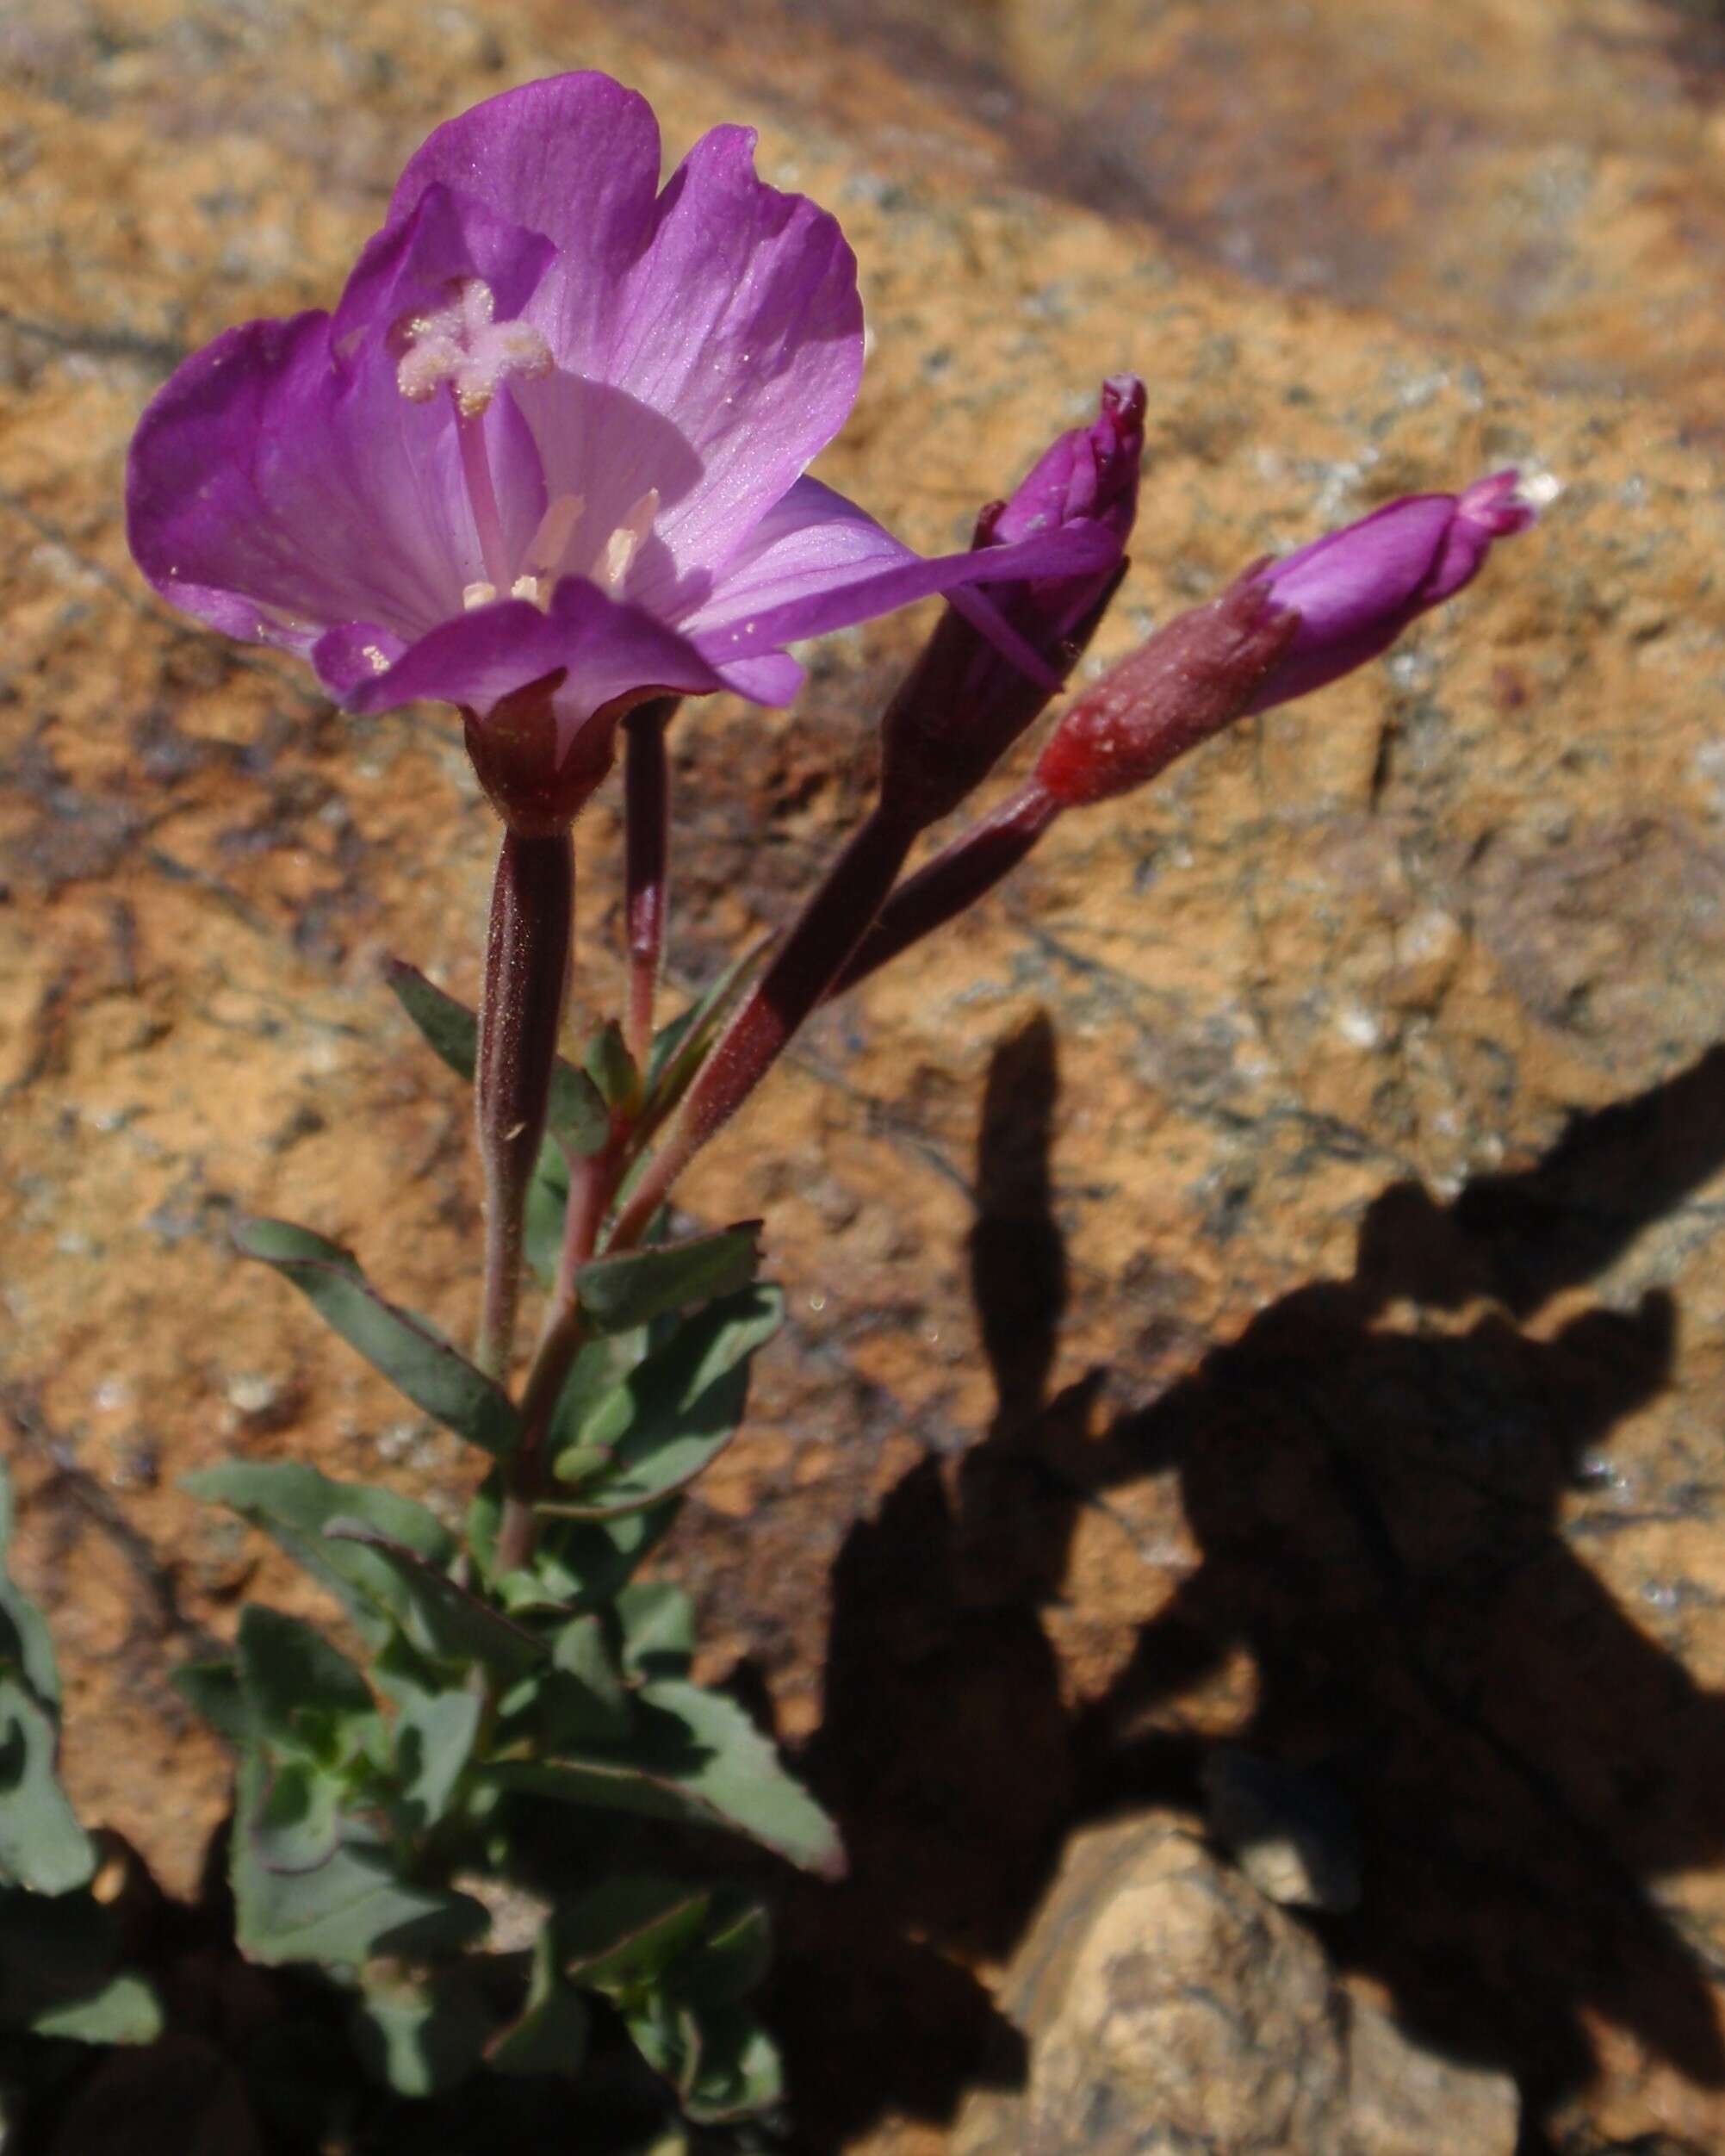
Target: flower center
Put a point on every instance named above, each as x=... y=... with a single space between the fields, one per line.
x=464 y=346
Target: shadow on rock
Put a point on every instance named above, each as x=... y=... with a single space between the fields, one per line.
x=1374 y=1474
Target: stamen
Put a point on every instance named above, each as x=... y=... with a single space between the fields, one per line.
x=525 y=587
x=479 y=594
x=622 y=545
x=549 y=544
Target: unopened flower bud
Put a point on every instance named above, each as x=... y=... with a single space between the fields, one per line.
x=1193 y=677
x=1356 y=590
x=968 y=698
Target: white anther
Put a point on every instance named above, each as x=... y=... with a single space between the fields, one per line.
x=550 y=542
x=622 y=545
x=463 y=345
x=479 y=594
x=525 y=587
x=375 y=659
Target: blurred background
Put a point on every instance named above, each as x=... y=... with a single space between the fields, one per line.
x=1260 y=1283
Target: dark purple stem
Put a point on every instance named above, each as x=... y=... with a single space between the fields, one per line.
x=829 y=929
x=526 y=970
x=970 y=866
x=646 y=797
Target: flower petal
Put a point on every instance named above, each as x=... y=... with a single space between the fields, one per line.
x=816 y=563
x=742 y=325
x=604 y=650
x=280 y=482
x=575 y=157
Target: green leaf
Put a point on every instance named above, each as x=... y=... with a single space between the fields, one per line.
x=293 y=1504
x=627 y=1932
x=416 y=1360
x=674 y=1413
x=577 y=1115
x=658 y=1621
x=212 y=1689
x=41 y=1844
x=125 y=2010
x=443 y=1619
x=580 y=1700
x=435 y=1730
x=57 y=1973
x=344 y=1910
x=542 y=1221
x=732 y=1957
x=298 y=1688
x=695 y=1756
x=611 y=1068
x=297 y=1824
x=736 y=2073
x=420 y=2037
x=679 y=1047
x=619 y=1293
x=550 y=2034
x=24 y=1638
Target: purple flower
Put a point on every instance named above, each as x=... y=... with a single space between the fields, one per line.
x=993 y=662
x=1356 y=590
x=551 y=440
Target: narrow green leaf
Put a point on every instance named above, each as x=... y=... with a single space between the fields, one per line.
x=445 y=1620
x=619 y=1293
x=737 y=2073
x=41 y=1844
x=658 y=1621
x=542 y=1221
x=611 y=1068
x=420 y=2037
x=673 y=1415
x=435 y=1733
x=297 y=1824
x=347 y=1908
x=416 y=1360
x=125 y=2010
x=734 y=1955
x=577 y=1115
x=549 y=2035
x=629 y=1930
x=23 y=1630
x=678 y=1047
x=296 y=1684
x=695 y=1756
x=212 y=1689
x=293 y=1504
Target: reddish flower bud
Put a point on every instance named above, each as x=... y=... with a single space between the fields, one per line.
x=995 y=660
x=1356 y=590
x=1193 y=678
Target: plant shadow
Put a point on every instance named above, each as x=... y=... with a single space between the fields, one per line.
x=1373 y=1475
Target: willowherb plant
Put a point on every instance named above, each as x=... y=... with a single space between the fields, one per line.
x=545 y=461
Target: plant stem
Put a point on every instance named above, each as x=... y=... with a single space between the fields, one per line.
x=647 y=798
x=527 y=971
x=827 y=931
x=965 y=871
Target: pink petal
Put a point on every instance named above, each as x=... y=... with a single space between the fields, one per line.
x=575 y=157
x=741 y=323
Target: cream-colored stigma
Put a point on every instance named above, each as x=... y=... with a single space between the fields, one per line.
x=464 y=345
